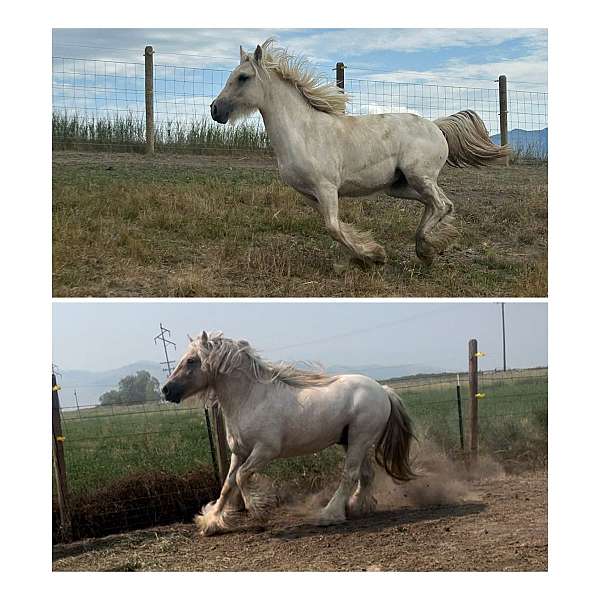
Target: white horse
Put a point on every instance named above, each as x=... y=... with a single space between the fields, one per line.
x=324 y=153
x=276 y=410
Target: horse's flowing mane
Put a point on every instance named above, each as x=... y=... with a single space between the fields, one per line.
x=320 y=94
x=221 y=355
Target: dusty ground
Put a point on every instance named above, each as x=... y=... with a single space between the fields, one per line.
x=199 y=226
x=500 y=524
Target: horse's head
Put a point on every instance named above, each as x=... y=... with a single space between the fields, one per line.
x=243 y=93
x=189 y=377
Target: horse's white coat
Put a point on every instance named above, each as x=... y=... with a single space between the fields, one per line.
x=276 y=411
x=325 y=154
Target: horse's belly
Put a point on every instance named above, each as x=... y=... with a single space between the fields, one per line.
x=368 y=180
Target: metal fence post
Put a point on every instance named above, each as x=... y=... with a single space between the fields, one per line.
x=60 y=471
x=149 y=89
x=473 y=407
x=503 y=95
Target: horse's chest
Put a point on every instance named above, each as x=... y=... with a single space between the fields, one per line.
x=298 y=177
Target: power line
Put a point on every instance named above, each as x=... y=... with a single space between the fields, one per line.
x=362 y=330
x=165 y=343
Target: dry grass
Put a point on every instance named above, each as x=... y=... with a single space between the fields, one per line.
x=127 y=225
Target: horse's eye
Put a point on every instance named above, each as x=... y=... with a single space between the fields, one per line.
x=191 y=361
x=242 y=78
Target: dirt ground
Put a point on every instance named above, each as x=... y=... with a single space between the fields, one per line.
x=494 y=524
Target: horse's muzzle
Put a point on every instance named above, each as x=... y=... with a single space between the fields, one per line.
x=172 y=392
x=219 y=112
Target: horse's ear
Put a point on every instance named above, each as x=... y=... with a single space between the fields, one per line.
x=204 y=338
x=243 y=55
x=258 y=54
x=190 y=337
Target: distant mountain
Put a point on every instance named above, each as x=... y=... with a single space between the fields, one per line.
x=381 y=373
x=90 y=385
x=534 y=143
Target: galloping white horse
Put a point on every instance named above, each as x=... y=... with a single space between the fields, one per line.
x=276 y=410
x=324 y=153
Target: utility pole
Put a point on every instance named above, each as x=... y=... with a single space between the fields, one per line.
x=165 y=342
x=503 y=338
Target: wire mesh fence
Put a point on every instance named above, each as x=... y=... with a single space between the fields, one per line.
x=100 y=105
x=134 y=466
x=512 y=414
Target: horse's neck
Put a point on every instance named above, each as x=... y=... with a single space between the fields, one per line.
x=285 y=114
x=232 y=390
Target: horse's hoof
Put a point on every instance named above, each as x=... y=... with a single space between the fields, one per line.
x=378 y=256
x=425 y=252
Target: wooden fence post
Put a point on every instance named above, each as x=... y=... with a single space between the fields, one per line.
x=149 y=88
x=503 y=95
x=339 y=74
x=221 y=443
x=460 y=417
x=473 y=407
x=60 y=471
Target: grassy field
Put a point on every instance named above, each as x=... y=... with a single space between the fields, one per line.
x=106 y=444
x=128 y=134
x=129 y=225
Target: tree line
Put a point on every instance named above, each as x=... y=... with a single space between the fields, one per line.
x=133 y=389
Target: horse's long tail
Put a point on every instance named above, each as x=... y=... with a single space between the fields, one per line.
x=468 y=140
x=393 y=449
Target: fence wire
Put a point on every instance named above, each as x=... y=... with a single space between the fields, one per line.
x=142 y=465
x=101 y=105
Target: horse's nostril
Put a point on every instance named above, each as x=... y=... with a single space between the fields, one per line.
x=165 y=391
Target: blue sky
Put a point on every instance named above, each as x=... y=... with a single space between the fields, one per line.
x=445 y=56
x=99 y=336
x=193 y=65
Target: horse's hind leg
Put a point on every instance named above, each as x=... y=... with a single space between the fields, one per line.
x=335 y=511
x=360 y=243
x=362 y=501
x=434 y=231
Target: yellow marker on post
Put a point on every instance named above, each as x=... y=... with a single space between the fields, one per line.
x=479 y=354
x=56 y=387
x=479 y=395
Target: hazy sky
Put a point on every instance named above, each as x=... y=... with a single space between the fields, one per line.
x=99 y=336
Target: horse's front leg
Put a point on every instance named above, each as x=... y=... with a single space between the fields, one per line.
x=255 y=502
x=360 y=243
x=216 y=516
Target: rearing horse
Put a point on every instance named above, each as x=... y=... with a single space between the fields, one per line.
x=324 y=153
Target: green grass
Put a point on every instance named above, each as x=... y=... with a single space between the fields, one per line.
x=128 y=134
x=104 y=444
x=512 y=415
